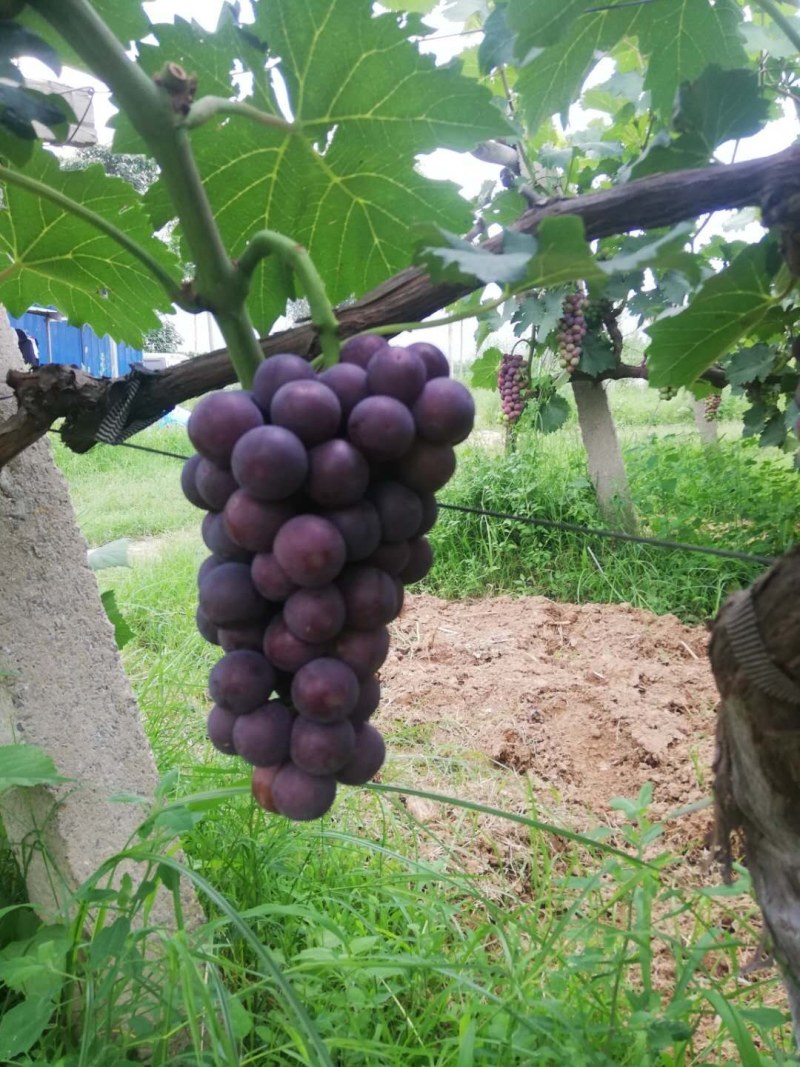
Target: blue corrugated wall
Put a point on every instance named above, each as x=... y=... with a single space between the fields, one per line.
x=75 y=344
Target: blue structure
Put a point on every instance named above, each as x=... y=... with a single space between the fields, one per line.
x=59 y=342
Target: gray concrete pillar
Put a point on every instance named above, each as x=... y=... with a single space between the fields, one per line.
x=603 y=455
x=62 y=686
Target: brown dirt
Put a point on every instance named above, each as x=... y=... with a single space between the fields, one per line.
x=583 y=703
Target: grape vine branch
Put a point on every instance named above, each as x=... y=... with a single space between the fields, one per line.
x=56 y=392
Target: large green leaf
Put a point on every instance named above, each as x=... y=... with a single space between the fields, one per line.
x=725 y=308
x=556 y=62
x=126 y=20
x=26 y=765
x=345 y=184
x=682 y=38
x=558 y=43
x=454 y=259
x=50 y=256
x=562 y=254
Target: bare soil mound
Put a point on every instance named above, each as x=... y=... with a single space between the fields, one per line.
x=584 y=703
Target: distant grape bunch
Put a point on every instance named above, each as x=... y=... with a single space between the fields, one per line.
x=319 y=490
x=713 y=401
x=667 y=392
x=513 y=384
x=571 y=330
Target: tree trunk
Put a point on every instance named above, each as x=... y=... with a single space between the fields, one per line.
x=604 y=456
x=755 y=656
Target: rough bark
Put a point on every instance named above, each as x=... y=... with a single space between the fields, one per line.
x=604 y=456
x=757 y=769
x=411 y=295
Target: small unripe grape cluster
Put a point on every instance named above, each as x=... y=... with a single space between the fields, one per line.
x=713 y=401
x=667 y=392
x=571 y=330
x=318 y=490
x=514 y=386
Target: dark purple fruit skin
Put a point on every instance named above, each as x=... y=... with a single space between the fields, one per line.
x=370 y=597
x=390 y=556
x=189 y=485
x=397 y=372
x=310 y=550
x=262 y=780
x=444 y=412
x=262 y=736
x=308 y=409
x=216 y=539
x=214 y=484
x=315 y=615
x=363 y=650
x=241 y=681
x=360 y=350
x=287 y=652
x=234 y=638
x=325 y=690
x=338 y=474
x=301 y=796
x=322 y=748
x=254 y=523
x=229 y=598
x=349 y=382
x=368 y=759
x=369 y=697
x=425 y=468
x=360 y=527
x=218 y=421
x=381 y=427
x=276 y=371
x=219 y=728
x=435 y=361
x=270 y=462
x=270 y=579
x=206 y=628
x=399 y=509
x=419 y=563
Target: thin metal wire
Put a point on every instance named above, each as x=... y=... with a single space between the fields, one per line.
x=573 y=527
x=549 y=524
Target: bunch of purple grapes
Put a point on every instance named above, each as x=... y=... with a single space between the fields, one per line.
x=713 y=401
x=571 y=330
x=319 y=490
x=512 y=382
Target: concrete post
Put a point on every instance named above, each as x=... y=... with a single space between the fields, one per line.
x=707 y=429
x=603 y=455
x=62 y=686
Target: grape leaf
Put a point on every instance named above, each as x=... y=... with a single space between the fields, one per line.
x=127 y=21
x=496 y=47
x=751 y=364
x=552 y=414
x=724 y=309
x=719 y=106
x=54 y=258
x=554 y=69
x=483 y=372
x=597 y=355
x=458 y=260
x=16 y=41
x=540 y=310
x=682 y=38
x=562 y=254
x=366 y=102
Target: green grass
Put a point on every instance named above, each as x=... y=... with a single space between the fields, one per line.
x=732 y=495
x=366 y=939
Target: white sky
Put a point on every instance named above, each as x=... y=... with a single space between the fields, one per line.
x=200 y=332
